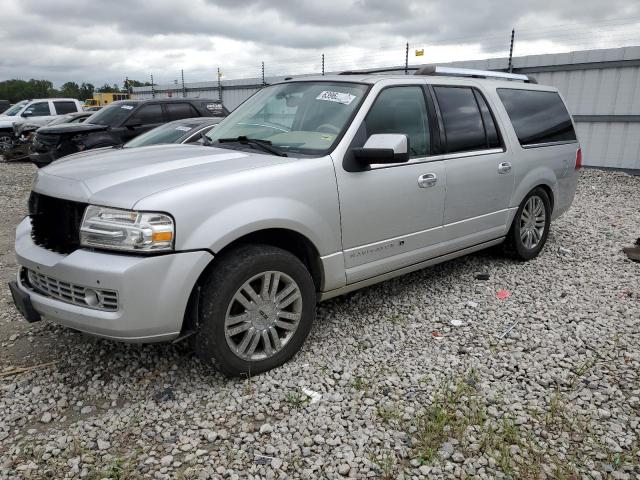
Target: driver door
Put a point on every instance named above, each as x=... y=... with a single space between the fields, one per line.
x=392 y=218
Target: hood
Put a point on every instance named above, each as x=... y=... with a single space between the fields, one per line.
x=122 y=177
x=72 y=128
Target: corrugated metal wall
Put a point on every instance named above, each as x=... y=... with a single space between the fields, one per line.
x=601 y=87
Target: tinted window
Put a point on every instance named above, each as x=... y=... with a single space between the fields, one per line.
x=537 y=116
x=401 y=110
x=178 y=111
x=39 y=109
x=462 y=119
x=493 y=139
x=65 y=107
x=148 y=114
x=167 y=133
x=113 y=115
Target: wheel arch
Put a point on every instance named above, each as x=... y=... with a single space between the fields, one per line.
x=290 y=240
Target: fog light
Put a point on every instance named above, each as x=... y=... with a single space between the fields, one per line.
x=91 y=297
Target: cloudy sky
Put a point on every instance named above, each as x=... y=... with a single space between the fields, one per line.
x=100 y=42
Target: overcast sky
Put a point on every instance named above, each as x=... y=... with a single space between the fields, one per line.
x=100 y=42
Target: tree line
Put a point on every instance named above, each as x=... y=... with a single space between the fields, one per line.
x=16 y=90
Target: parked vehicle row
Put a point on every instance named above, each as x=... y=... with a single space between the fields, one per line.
x=310 y=189
x=39 y=110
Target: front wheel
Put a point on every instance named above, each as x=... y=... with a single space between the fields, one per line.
x=256 y=309
x=530 y=227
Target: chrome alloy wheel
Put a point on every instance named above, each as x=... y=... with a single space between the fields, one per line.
x=263 y=315
x=532 y=222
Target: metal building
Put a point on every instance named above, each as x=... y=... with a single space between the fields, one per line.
x=602 y=88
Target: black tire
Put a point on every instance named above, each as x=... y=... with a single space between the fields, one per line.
x=228 y=274
x=514 y=246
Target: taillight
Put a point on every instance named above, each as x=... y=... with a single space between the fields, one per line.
x=579 y=159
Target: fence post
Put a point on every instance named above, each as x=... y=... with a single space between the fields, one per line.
x=263 y=82
x=406 y=60
x=219 y=86
x=184 y=90
x=323 y=64
x=153 y=88
x=513 y=34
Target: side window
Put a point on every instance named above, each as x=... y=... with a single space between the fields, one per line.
x=65 y=107
x=537 y=116
x=493 y=139
x=178 y=111
x=148 y=114
x=463 y=124
x=39 y=109
x=401 y=110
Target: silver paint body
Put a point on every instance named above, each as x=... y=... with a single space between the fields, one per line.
x=366 y=226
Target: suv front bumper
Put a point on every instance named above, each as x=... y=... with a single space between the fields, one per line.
x=152 y=291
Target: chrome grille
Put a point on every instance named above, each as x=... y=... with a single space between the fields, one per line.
x=75 y=294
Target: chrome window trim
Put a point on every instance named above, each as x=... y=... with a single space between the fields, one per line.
x=437 y=158
x=549 y=144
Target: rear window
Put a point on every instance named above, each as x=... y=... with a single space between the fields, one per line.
x=537 y=117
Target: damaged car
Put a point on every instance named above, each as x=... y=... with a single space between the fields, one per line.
x=116 y=124
x=18 y=146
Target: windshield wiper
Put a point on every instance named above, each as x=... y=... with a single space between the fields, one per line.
x=265 y=145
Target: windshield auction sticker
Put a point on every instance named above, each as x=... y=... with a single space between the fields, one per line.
x=338 y=97
x=182 y=129
x=127 y=107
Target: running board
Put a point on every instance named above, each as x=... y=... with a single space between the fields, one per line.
x=411 y=268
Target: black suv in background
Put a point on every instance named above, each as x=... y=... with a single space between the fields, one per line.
x=116 y=124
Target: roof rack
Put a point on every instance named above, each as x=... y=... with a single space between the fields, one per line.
x=467 y=72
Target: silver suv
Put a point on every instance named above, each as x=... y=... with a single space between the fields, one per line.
x=310 y=189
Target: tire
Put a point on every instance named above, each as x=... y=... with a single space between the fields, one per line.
x=233 y=273
x=522 y=245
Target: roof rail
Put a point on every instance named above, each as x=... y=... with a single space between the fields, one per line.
x=378 y=70
x=467 y=72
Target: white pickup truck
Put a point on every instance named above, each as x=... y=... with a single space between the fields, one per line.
x=39 y=110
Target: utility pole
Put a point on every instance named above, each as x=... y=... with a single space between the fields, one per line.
x=513 y=35
x=184 y=91
x=153 y=88
x=126 y=84
x=406 y=60
x=323 y=64
x=219 y=86
x=263 y=82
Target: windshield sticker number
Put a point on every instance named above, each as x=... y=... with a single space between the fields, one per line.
x=337 y=97
x=127 y=107
x=182 y=129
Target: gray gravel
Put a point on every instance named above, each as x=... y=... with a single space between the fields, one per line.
x=404 y=392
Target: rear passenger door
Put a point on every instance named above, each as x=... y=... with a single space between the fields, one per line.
x=64 y=106
x=480 y=177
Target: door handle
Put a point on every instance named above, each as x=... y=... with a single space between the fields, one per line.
x=427 y=180
x=504 y=167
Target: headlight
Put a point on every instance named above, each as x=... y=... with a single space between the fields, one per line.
x=126 y=230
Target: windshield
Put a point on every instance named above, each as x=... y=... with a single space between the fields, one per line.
x=112 y=115
x=298 y=117
x=168 y=133
x=16 y=108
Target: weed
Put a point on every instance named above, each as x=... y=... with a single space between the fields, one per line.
x=387 y=463
x=295 y=399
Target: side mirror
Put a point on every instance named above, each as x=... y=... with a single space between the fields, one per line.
x=27 y=113
x=134 y=124
x=383 y=148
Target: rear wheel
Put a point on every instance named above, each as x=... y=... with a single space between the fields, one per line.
x=256 y=309
x=530 y=227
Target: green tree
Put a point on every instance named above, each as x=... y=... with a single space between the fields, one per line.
x=86 y=91
x=70 y=89
x=16 y=90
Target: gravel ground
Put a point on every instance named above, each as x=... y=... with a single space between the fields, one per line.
x=425 y=376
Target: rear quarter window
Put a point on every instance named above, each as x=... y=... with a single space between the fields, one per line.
x=538 y=117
